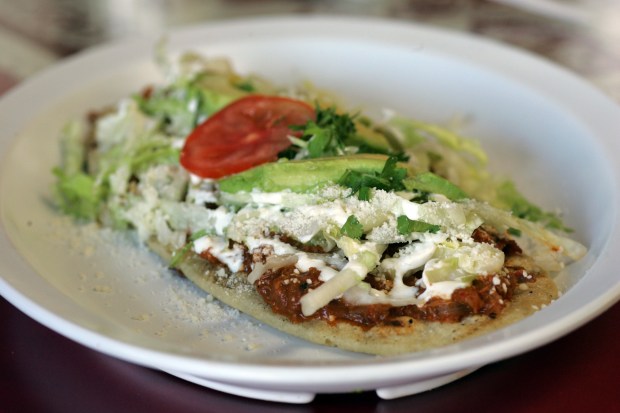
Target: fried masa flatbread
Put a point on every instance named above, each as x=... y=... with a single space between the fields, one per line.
x=235 y=291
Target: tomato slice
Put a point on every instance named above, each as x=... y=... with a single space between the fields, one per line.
x=248 y=132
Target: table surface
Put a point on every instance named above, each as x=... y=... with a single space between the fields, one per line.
x=42 y=371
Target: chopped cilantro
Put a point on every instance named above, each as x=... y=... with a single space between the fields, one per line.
x=327 y=134
x=514 y=231
x=389 y=179
x=334 y=134
x=393 y=174
x=406 y=226
x=352 y=228
x=363 y=194
x=245 y=85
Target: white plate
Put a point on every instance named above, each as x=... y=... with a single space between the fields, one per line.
x=554 y=133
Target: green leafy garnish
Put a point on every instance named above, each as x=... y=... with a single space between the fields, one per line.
x=416 y=132
x=389 y=179
x=352 y=228
x=327 y=134
x=77 y=194
x=153 y=152
x=183 y=105
x=508 y=197
x=179 y=254
x=246 y=85
x=514 y=231
x=434 y=184
x=406 y=226
x=179 y=108
x=363 y=194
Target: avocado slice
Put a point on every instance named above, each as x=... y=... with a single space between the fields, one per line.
x=300 y=176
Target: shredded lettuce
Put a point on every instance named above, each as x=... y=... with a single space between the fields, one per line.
x=128 y=143
x=363 y=258
x=180 y=253
x=156 y=151
x=414 y=132
x=433 y=184
x=459 y=170
x=184 y=104
x=179 y=107
x=196 y=89
x=75 y=192
x=508 y=197
x=129 y=150
x=406 y=226
x=556 y=248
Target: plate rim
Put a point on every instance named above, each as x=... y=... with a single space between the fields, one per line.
x=316 y=372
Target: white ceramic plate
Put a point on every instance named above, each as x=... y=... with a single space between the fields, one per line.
x=554 y=133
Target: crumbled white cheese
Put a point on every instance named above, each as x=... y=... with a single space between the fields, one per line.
x=279 y=247
x=218 y=247
x=305 y=262
x=409 y=259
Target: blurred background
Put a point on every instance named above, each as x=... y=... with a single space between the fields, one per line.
x=582 y=35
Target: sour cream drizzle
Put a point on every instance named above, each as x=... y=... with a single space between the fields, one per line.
x=323 y=215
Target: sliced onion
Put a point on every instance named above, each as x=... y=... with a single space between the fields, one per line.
x=273 y=262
